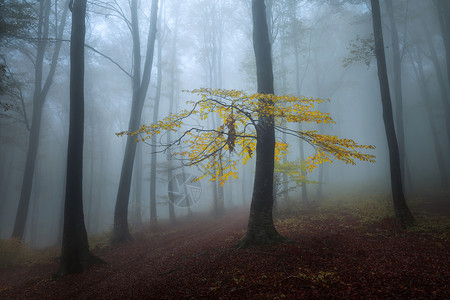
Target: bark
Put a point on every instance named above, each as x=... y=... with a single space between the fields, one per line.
x=298 y=81
x=401 y=209
x=172 y=88
x=397 y=89
x=302 y=158
x=260 y=229
x=75 y=254
x=138 y=178
x=121 y=232
x=153 y=213
x=39 y=97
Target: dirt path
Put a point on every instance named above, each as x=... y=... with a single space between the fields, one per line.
x=334 y=257
x=152 y=256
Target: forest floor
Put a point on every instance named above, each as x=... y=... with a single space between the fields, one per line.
x=343 y=249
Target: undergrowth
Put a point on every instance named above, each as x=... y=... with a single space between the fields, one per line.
x=370 y=210
x=14 y=253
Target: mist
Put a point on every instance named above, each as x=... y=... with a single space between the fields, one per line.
x=317 y=51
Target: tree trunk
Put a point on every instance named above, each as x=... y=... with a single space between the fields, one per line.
x=298 y=94
x=153 y=213
x=39 y=96
x=401 y=209
x=121 y=232
x=138 y=178
x=75 y=254
x=172 y=88
x=260 y=229
x=397 y=90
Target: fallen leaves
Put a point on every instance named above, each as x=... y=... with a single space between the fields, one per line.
x=332 y=257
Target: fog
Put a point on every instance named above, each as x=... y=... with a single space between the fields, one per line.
x=209 y=44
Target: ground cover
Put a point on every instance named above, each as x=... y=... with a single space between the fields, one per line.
x=344 y=248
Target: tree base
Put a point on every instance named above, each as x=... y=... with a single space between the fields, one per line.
x=261 y=237
x=121 y=238
x=80 y=265
x=405 y=220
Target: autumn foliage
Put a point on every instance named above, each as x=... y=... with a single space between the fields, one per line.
x=237 y=132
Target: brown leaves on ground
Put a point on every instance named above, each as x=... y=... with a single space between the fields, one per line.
x=335 y=255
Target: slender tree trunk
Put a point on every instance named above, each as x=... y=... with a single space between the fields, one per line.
x=401 y=209
x=302 y=159
x=39 y=96
x=440 y=77
x=260 y=228
x=121 y=232
x=172 y=89
x=153 y=213
x=138 y=178
x=91 y=182
x=298 y=92
x=75 y=254
x=434 y=132
x=35 y=211
x=397 y=89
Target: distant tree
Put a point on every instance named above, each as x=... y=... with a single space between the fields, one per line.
x=41 y=88
x=291 y=172
x=397 y=62
x=401 y=209
x=161 y=39
x=440 y=75
x=425 y=93
x=121 y=232
x=75 y=254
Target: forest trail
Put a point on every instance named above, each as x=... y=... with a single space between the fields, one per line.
x=335 y=254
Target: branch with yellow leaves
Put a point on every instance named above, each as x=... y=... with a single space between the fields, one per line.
x=239 y=114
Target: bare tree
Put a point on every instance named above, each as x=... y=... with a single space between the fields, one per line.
x=140 y=87
x=75 y=254
x=401 y=209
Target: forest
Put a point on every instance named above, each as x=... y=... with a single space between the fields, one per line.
x=224 y=149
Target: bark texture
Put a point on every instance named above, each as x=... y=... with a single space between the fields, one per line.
x=261 y=230
x=75 y=254
x=39 y=96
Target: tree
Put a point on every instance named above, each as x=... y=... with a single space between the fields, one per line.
x=397 y=88
x=248 y=125
x=240 y=133
x=121 y=232
x=260 y=228
x=160 y=37
x=291 y=172
x=424 y=90
x=401 y=209
x=41 y=89
x=443 y=87
x=75 y=254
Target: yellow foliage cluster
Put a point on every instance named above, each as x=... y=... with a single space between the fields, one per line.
x=239 y=114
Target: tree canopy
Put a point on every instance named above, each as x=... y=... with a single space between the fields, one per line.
x=237 y=134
